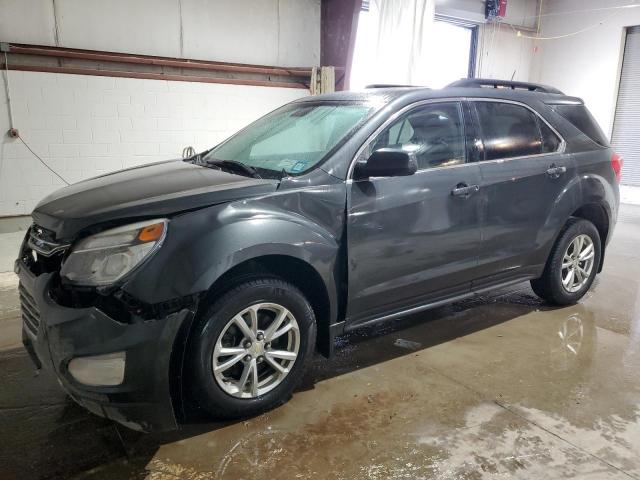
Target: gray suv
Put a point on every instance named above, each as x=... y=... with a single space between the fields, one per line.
x=210 y=281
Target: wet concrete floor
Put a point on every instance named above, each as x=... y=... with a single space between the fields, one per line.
x=502 y=386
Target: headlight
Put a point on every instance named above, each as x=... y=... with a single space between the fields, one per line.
x=106 y=257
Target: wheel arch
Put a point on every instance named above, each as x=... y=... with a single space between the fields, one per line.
x=589 y=197
x=597 y=214
x=294 y=270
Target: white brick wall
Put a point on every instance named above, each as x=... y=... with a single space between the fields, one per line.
x=84 y=126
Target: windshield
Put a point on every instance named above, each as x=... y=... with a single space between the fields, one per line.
x=294 y=138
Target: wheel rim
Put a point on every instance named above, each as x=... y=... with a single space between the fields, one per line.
x=577 y=263
x=256 y=350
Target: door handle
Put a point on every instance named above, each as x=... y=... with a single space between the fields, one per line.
x=554 y=171
x=464 y=190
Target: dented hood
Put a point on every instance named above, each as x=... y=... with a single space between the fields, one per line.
x=151 y=190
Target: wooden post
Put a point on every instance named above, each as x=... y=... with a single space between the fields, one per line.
x=323 y=80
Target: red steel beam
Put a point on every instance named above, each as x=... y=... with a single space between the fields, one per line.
x=153 y=76
x=60 y=52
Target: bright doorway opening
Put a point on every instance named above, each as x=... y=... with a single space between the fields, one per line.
x=451 y=58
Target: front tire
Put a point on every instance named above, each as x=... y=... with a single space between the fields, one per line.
x=572 y=264
x=249 y=349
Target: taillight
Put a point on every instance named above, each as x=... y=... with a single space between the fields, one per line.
x=616 y=164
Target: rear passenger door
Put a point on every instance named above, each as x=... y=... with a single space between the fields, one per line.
x=523 y=172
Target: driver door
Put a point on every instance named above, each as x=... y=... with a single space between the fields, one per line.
x=414 y=239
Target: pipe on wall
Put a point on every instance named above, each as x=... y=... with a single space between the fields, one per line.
x=60 y=52
x=36 y=58
x=153 y=76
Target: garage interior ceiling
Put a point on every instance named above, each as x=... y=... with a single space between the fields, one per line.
x=498 y=385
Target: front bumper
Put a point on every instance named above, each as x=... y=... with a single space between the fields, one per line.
x=54 y=334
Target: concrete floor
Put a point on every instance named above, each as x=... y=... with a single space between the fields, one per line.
x=502 y=386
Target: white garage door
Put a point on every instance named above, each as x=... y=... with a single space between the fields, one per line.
x=626 y=127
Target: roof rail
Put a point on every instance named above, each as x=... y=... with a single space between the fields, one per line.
x=491 y=83
x=390 y=85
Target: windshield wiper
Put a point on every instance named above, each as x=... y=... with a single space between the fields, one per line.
x=235 y=166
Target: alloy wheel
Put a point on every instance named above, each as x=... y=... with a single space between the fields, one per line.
x=256 y=350
x=577 y=263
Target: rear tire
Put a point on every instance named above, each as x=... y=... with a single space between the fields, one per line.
x=266 y=365
x=572 y=264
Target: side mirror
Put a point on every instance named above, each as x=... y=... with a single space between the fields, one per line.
x=387 y=162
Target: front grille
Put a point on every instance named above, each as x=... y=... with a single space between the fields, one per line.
x=43 y=241
x=30 y=312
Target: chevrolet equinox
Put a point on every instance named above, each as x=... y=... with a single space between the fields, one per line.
x=211 y=280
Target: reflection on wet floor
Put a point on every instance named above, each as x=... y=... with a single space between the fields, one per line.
x=500 y=386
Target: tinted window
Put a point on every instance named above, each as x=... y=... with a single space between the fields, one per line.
x=550 y=141
x=582 y=119
x=508 y=130
x=433 y=132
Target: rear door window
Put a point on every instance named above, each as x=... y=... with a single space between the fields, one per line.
x=511 y=130
x=550 y=141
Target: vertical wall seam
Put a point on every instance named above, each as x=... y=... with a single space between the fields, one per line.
x=278 y=32
x=7 y=88
x=56 y=31
x=181 y=29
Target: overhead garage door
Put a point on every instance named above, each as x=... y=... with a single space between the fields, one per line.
x=626 y=127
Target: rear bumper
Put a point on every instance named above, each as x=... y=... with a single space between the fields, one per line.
x=54 y=335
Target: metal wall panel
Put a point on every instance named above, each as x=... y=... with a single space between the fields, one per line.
x=626 y=127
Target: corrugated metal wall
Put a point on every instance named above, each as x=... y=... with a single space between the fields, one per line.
x=626 y=127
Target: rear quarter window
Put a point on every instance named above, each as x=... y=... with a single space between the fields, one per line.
x=582 y=119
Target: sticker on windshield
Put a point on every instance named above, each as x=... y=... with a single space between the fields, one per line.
x=298 y=167
x=286 y=164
